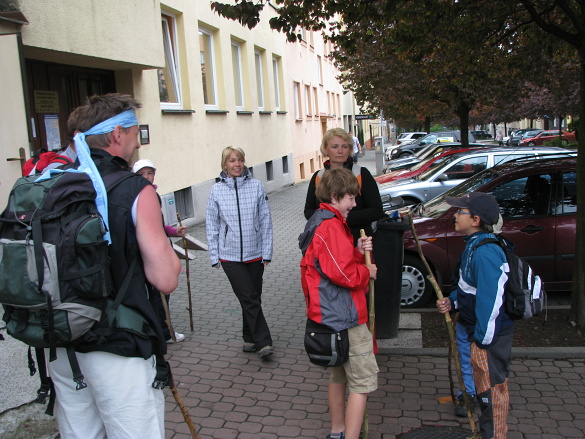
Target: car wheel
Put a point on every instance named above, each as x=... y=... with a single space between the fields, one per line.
x=531 y=143
x=404 y=155
x=508 y=142
x=416 y=289
x=408 y=201
x=564 y=142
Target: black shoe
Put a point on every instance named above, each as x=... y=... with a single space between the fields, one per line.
x=249 y=347
x=265 y=352
x=460 y=409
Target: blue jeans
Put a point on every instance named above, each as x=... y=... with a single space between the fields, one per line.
x=463 y=346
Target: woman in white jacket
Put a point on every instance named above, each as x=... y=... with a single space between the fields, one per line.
x=239 y=237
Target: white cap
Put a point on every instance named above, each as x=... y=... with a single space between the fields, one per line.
x=142 y=163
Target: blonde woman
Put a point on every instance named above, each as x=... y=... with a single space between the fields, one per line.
x=239 y=237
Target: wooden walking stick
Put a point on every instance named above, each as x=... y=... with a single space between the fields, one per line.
x=182 y=407
x=371 y=325
x=450 y=329
x=167 y=316
x=188 y=278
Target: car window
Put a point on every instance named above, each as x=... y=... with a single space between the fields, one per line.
x=466 y=168
x=429 y=139
x=503 y=158
x=568 y=196
x=524 y=196
x=435 y=207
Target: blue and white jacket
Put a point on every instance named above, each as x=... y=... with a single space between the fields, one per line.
x=238 y=221
x=480 y=291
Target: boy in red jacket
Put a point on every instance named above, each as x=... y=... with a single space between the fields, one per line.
x=335 y=281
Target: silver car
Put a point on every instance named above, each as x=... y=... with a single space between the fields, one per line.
x=452 y=171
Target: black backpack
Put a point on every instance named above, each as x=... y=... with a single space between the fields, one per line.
x=524 y=294
x=55 y=282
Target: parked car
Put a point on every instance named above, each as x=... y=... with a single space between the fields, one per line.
x=529 y=134
x=547 y=136
x=436 y=137
x=409 y=137
x=450 y=172
x=516 y=136
x=421 y=166
x=537 y=200
x=481 y=134
x=423 y=154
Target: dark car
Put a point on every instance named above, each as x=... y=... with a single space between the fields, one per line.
x=516 y=136
x=538 y=201
x=436 y=137
x=481 y=134
x=423 y=154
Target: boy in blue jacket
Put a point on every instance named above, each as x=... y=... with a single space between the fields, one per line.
x=479 y=297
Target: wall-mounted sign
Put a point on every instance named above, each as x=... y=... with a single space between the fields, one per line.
x=144 y=134
x=364 y=116
x=46 y=101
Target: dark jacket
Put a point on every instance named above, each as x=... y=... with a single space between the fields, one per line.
x=123 y=250
x=368 y=207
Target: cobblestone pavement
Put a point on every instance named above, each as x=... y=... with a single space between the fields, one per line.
x=232 y=394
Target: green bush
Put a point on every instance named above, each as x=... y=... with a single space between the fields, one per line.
x=557 y=142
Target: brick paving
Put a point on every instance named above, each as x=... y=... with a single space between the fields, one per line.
x=232 y=394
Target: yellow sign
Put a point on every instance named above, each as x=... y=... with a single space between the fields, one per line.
x=46 y=101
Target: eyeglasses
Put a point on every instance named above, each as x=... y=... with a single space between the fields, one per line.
x=462 y=212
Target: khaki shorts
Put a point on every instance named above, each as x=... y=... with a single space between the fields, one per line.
x=360 y=372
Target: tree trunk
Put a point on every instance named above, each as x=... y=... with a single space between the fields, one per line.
x=463 y=113
x=427 y=124
x=577 y=314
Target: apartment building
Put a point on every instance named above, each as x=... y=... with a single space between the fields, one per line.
x=204 y=82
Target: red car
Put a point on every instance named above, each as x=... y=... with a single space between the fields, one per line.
x=547 y=136
x=538 y=202
x=419 y=168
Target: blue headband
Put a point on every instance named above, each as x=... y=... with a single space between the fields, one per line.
x=126 y=119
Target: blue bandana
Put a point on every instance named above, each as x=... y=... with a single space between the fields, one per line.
x=126 y=119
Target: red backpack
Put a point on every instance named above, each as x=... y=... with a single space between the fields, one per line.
x=36 y=165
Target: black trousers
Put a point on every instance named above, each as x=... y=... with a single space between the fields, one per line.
x=246 y=281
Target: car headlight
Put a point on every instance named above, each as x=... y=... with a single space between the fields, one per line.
x=394 y=152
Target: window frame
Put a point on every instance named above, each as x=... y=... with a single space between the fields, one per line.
x=258 y=65
x=238 y=74
x=172 y=65
x=276 y=75
x=205 y=32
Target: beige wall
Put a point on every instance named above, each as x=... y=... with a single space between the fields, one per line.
x=308 y=129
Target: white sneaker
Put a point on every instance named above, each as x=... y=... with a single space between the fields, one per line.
x=178 y=337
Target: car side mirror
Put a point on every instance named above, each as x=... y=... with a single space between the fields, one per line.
x=443 y=177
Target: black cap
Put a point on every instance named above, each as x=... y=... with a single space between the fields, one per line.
x=482 y=205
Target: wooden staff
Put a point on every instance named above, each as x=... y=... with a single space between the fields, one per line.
x=450 y=329
x=167 y=316
x=183 y=409
x=371 y=325
x=188 y=277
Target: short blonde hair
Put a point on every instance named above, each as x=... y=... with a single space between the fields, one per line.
x=227 y=152
x=340 y=132
x=337 y=183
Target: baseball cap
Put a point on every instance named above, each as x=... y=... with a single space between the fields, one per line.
x=142 y=163
x=482 y=205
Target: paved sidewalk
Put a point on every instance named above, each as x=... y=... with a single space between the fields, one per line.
x=231 y=394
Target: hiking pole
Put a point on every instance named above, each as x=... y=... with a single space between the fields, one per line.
x=450 y=327
x=182 y=407
x=188 y=277
x=371 y=325
x=167 y=316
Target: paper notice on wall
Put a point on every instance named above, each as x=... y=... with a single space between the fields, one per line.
x=52 y=131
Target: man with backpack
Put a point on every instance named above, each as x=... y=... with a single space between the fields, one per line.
x=120 y=369
x=479 y=297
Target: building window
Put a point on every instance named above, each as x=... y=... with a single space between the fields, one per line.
x=285 y=165
x=269 y=172
x=297 y=98
x=237 y=72
x=328 y=103
x=169 y=83
x=207 y=58
x=320 y=69
x=308 y=104
x=315 y=101
x=259 y=79
x=302 y=171
x=276 y=74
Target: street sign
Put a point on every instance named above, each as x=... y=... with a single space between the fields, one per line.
x=364 y=116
